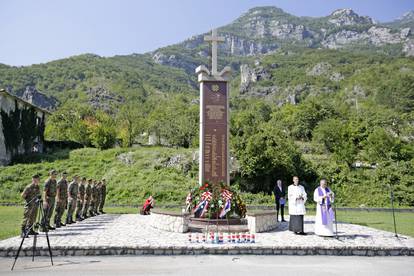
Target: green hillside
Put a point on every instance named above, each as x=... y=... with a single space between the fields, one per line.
x=142 y=171
x=133 y=77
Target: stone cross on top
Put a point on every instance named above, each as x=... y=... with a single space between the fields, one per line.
x=213 y=38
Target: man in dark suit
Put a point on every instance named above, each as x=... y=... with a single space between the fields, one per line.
x=279 y=193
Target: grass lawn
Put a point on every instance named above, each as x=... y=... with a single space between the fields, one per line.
x=10 y=219
x=380 y=220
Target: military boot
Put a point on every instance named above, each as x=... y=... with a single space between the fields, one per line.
x=50 y=227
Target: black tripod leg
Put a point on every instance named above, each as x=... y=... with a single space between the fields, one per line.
x=48 y=245
x=47 y=236
x=34 y=247
x=20 y=248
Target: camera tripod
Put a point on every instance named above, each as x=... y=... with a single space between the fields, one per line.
x=39 y=224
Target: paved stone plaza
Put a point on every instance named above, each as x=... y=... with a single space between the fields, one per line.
x=131 y=234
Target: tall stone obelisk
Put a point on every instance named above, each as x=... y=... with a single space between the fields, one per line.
x=214 y=118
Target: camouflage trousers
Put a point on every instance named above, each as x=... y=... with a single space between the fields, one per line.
x=102 y=202
x=92 y=206
x=96 y=205
x=79 y=205
x=71 y=209
x=85 y=207
x=59 y=210
x=48 y=207
x=29 y=215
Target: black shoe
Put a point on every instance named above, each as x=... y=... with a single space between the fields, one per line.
x=102 y=212
x=302 y=233
x=51 y=227
x=283 y=220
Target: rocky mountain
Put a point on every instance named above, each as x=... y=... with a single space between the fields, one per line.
x=33 y=96
x=262 y=30
x=404 y=21
x=101 y=98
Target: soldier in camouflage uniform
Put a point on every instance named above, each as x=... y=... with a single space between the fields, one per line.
x=93 y=199
x=49 y=193
x=98 y=197
x=103 y=196
x=61 y=200
x=30 y=194
x=72 y=197
x=87 y=198
x=81 y=197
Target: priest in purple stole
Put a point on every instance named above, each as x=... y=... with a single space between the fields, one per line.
x=323 y=196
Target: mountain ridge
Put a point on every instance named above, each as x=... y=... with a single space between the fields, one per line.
x=262 y=30
x=258 y=32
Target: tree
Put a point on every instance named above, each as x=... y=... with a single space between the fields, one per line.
x=267 y=154
x=380 y=146
x=329 y=133
x=70 y=123
x=130 y=123
x=174 y=119
x=103 y=132
x=300 y=120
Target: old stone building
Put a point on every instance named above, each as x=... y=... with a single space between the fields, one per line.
x=22 y=126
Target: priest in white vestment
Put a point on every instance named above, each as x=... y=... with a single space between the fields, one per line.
x=297 y=198
x=324 y=197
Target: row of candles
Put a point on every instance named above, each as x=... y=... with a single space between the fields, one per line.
x=219 y=237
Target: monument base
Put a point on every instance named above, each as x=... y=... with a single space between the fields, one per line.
x=221 y=225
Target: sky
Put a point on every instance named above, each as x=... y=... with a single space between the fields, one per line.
x=38 y=31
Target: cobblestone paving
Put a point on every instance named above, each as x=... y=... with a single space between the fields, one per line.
x=131 y=234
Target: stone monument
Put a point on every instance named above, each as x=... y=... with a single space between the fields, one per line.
x=214 y=119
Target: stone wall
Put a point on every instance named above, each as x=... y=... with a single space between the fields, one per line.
x=169 y=221
x=262 y=221
x=259 y=222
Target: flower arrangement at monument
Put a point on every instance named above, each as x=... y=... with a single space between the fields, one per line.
x=215 y=201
